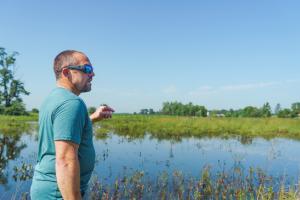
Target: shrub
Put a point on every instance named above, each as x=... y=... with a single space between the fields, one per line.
x=17 y=108
x=286 y=113
x=35 y=110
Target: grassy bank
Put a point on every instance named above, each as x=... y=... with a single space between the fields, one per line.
x=166 y=127
x=177 y=127
x=23 y=118
x=17 y=124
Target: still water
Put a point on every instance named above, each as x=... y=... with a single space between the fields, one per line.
x=117 y=155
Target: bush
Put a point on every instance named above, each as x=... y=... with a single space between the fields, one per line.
x=35 y=110
x=287 y=113
x=17 y=108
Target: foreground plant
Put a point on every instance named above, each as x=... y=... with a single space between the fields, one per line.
x=233 y=184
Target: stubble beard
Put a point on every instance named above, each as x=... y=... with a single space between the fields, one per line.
x=86 y=88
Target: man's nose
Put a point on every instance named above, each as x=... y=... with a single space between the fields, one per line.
x=92 y=74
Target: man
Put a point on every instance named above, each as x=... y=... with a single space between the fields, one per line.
x=66 y=154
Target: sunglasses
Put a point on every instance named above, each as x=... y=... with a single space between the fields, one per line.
x=87 y=69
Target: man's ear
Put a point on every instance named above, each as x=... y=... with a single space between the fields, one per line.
x=65 y=72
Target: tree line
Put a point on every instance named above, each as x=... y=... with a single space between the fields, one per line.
x=180 y=109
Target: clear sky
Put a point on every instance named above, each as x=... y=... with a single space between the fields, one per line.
x=217 y=53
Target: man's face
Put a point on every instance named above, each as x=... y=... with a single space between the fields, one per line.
x=80 y=80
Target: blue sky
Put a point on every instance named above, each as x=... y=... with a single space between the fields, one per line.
x=221 y=54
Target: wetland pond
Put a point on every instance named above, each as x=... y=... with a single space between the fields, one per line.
x=118 y=156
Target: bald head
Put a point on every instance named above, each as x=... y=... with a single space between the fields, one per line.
x=67 y=58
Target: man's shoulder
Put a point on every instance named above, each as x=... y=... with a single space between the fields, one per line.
x=59 y=97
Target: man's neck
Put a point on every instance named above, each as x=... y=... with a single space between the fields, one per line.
x=68 y=86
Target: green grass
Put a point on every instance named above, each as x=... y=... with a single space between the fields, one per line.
x=17 y=124
x=174 y=127
x=25 y=118
x=163 y=127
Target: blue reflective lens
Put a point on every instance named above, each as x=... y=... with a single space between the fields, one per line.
x=88 y=69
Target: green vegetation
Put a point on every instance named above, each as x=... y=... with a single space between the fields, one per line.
x=91 y=110
x=11 y=88
x=18 y=119
x=146 y=111
x=175 y=127
x=15 y=125
x=233 y=184
x=164 y=127
x=35 y=110
x=250 y=111
x=179 y=109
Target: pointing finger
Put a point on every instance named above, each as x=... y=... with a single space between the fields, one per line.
x=107 y=108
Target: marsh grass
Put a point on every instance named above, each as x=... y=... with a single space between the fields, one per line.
x=31 y=117
x=173 y=127
x=166 y=127
x=234 y=184
x=13 y=125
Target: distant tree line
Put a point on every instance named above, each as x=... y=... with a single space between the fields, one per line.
x=11 y=88
x=180 y=109
x=264 y=111
x=248 y=111
x=177 y=108
x=146 y=111
x=292 y=112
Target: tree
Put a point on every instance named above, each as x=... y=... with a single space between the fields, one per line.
x=91 y=110
x=285 y=113
x=201 y=111
x=11 y=88
x=144 y=111
x=16 y=108
x=250 y=111
x=296 y=107
x=266 y=110
x=230 y=113
x=277 y=109
x=166 y=110
x=35 y=110
x=151 y=111
x=179 y=109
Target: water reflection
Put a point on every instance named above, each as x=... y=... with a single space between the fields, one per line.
x=275 y=156
x=11 y=145
x=10 y=149
x=105 y=134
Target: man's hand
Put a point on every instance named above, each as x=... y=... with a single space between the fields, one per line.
x=103 y=112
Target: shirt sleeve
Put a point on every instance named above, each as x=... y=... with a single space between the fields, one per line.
x=69 y=121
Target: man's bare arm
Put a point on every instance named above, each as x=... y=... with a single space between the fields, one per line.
x=68 y=170
x=103 y=112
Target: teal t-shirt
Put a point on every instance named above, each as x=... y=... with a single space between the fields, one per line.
x=63 y=116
